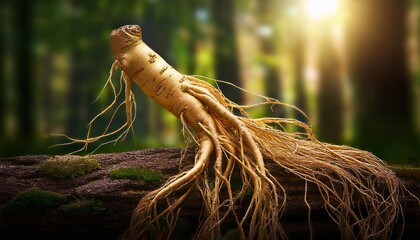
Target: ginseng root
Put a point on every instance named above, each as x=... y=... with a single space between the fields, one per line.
x=348 y=179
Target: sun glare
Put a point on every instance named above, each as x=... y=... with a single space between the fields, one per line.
x=317 y=9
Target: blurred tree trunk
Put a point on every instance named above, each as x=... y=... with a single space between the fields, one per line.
x=268 y=11
x=225 y=52
x=3 y=98
x=85 y=83
x=82 y=74
x=192 y=40
x=380 y=76
x=46 y=100
x=188 y=34
x=298 y=61
x=76 y=105
x=23 y=69
x=298 y=43
x=414 y=59
x=330 y=96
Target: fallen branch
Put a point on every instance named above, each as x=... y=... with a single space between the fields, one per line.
x=120 y=196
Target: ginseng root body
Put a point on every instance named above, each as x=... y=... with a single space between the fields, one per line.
x=359 y=191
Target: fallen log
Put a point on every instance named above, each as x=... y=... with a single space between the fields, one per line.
x=95 y=205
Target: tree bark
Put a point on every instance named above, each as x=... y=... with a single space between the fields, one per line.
x=120 y=197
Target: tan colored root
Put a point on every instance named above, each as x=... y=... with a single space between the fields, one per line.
x=145 y=219
x=123 y=130
x=264 y=202
x=349 y=180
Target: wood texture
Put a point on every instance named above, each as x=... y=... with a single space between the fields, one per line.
x=121 y=196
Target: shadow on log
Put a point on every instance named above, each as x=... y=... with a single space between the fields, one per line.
x=118 y=197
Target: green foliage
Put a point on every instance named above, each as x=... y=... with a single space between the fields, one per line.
x=136 y=173
x=65 y=167
x=33 y=200
x=83 y=206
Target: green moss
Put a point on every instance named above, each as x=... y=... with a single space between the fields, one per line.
x=83 y=206
x=69 y=166
x=33 y=200
x=136 y=173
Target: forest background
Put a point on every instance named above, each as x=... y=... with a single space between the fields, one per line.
x=353 y=66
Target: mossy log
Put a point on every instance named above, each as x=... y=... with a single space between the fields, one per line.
x=116 y=199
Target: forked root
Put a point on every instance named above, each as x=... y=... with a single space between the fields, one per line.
x=145 y=222
x=359 y=191
x=348 y=179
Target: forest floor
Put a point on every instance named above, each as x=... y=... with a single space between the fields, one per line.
x=118 y=198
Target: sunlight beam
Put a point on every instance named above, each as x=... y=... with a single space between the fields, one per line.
x=316 y=9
